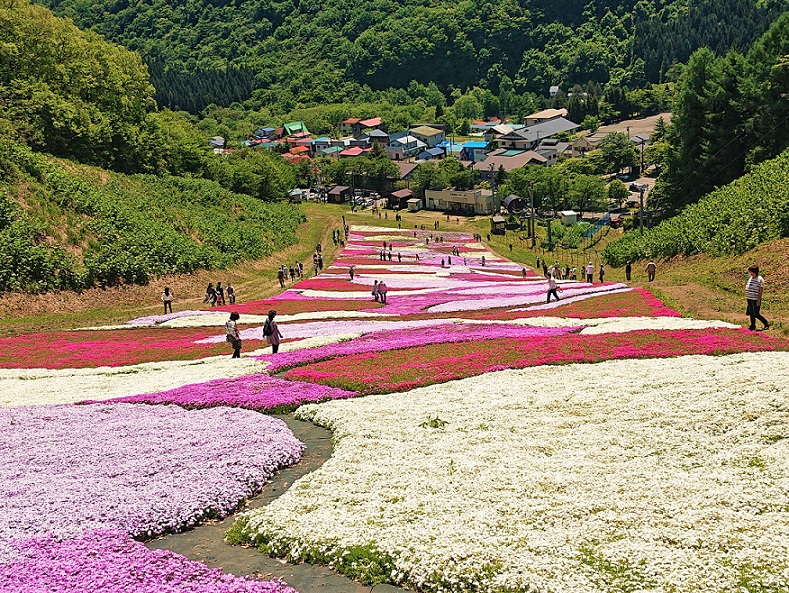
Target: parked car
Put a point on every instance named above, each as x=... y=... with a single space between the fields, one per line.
x=637 y=187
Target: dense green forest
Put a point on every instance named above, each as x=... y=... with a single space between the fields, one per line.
x=730 y=113
x=290 y=54
x=731 y=220
x=64 y=225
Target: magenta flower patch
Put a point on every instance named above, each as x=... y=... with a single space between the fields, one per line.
x=258 y=392
x=111 y=562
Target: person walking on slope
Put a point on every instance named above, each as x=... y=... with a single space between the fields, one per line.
x=602 y=273
x=552 y=288
x=281 y=278
x=375 y=291
x=167 y=299
x=628 y=270
x=651 y=269
x=382 y=290
x=210 y=294
x=589 y=273
x=754 y=289
x=231 y=294
x=271 y=332
x=233 y=337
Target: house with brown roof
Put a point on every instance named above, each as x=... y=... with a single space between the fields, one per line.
x=509 y=159
x=355 y=126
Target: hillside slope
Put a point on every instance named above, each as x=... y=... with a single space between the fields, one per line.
x=69 y=226
x=731 y=220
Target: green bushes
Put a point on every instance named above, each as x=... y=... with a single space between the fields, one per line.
x=730 y=220
x=81 y=227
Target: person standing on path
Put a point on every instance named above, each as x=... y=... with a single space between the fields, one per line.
x=552 y=289
x=231 y=294
x=628 y=270
x=602 y=273
x=167 y=299
x=651 y=269
x=220 y=293
x=382 y=290
x=281 y=278
x=589 y=273
x=754 y=289
x=210 y=294
x=351 y=272
x=375 y=291
x=233 y=337
x=271 y=332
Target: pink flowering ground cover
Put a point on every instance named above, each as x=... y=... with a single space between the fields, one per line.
x=111 y=562
x=86 y=349
x=383 y=341
x=400 y=370
x=143 y=470
x=637 y=302
x=260 y=392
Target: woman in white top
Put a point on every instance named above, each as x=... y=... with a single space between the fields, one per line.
x=167 y=299
x=754 y=289
x=552 y=288
x=233 y=337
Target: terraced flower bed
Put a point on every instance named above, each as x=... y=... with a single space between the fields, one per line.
x=597 y=444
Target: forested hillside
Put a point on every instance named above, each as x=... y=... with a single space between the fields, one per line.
x=311 y=52
x=69 y=226
x=731 y=220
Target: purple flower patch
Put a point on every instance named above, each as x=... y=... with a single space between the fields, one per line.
x=144 y=470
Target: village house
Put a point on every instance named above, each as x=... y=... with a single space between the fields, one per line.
x=474 y=150
x=529 y=137
x=354 y=126
x=431 y=135
x=509 y=159
x=403 y=146
x=471 y=201
x=544 y=115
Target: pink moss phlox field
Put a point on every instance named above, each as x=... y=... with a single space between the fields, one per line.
x=111 y=562
x=398 y=339
x=260 y=392
x=144 y=470
x=388 y=371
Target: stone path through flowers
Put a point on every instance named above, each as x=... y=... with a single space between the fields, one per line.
x=207 y=544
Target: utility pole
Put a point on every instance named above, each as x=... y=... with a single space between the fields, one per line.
x=641 y=210
x=533 y=228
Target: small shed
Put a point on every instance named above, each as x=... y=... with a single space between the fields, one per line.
x=497 y=224
x=569 y=217
x=339 y=194
x=399 y=199
x=294 y=196
x=514 y=204
x=414 y=205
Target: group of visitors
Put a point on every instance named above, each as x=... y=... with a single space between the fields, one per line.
x=293 y=272
x=379 y=291
x=271 y=333
x=215 y=295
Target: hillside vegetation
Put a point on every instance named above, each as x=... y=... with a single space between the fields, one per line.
x=310 y=52
x=730 y=220
x=68 y=226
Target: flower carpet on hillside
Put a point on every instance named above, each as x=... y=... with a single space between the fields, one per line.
x=599 y=443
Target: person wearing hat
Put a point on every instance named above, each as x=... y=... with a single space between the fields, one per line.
x=271 y=331
x=589 y=273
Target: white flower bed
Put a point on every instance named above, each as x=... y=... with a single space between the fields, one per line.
x=659 y=475
x=27 y=387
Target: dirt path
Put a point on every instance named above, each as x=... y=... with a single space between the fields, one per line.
x=206 y=543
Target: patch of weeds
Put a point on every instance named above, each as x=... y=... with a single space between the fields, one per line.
x=434 y=423
x=612 y=575
x=366 y=564
x=771 y=439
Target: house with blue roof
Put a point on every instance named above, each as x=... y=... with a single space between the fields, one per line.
x=474 y=150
